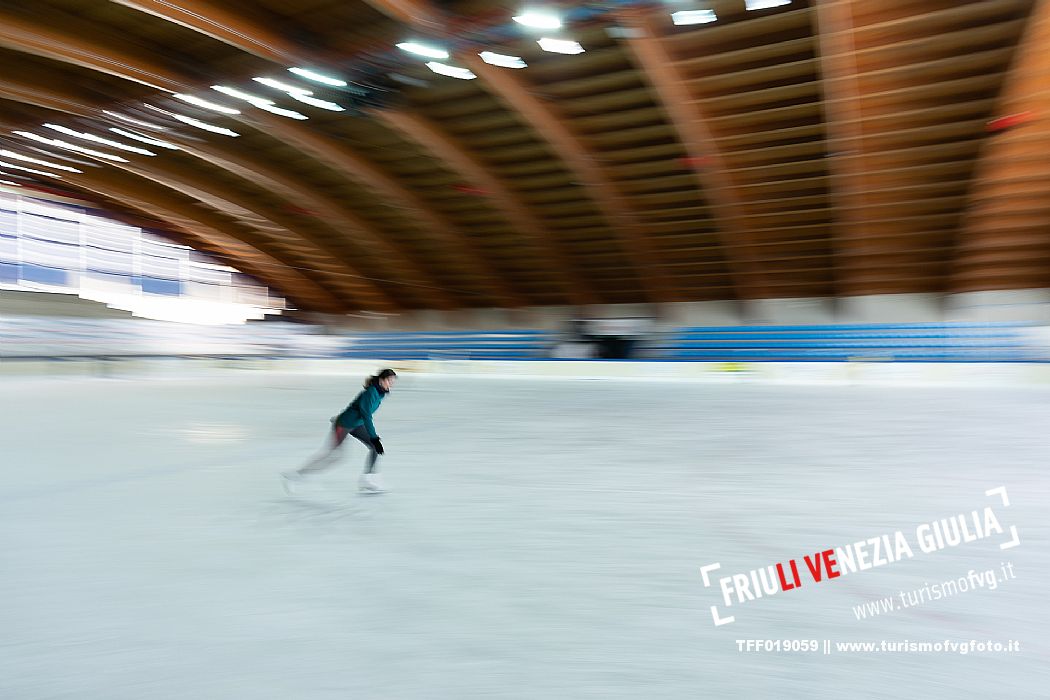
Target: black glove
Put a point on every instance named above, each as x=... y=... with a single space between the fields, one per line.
x=377 y=445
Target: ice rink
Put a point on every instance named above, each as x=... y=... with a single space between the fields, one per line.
x=543 y=539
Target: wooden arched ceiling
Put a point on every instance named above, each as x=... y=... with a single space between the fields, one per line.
x=829 y=148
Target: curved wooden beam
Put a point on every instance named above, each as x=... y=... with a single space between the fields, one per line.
x=430 y=139
x=179 y=177
x=87 y=51
x=224 y=236
x=991 y=214
x=410 y=12
x=550 y=127
x=690 y=123
x=833 y=26
x=373 y=178
x=49 y=100
x=336 y=218
x=248 y=35
x=219 y=23
x=81 y=50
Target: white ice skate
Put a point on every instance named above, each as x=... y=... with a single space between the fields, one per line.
x=291 y=479
x=370 y=483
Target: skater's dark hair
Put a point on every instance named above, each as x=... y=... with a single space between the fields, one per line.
x=383 y=374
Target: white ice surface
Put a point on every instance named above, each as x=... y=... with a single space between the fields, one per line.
x=543 y=539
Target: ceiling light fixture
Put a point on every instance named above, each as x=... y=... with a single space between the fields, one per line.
x=205 y=104
x=566 y=46
x=4 y=164
x=450 y=71
x=18 y=156
x=283 y=87
x=97 y=139
x=538 y=20
x=317 y=77
x=274 y=109
x=422 y=49
x=136 y=122
x=684 y=17
x=196 y=122
x=260 y=102
x=323 y=104
x=58 y=143
x=765 y=4
x=144 y=139
x=498 y=59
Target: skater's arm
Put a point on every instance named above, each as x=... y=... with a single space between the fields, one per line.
x=368 y=406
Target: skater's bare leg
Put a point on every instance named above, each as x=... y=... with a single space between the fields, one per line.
x=321 y=462
x=328 y=456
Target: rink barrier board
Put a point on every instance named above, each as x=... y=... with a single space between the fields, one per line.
x=973 y=373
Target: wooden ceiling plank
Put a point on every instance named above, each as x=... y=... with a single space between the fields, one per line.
x=997 y=160
x=428 y=137
x=548 y=126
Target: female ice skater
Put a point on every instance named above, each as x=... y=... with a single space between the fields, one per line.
x=355 y=421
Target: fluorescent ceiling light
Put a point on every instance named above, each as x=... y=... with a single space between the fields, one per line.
x=260 y=102
x=129 y=120
x=205 y=104
x=683 y=17
x=498 y=59
x=765 y=4
x=196 y=122
x=290 y=113
x=234 y=92
x=450 y=71
x=422 y=49
x=538 y=20
x=323 y=104
x=317 y=77
x=560 y=46
x=144 y=139
x=98 y=139
x=18 y=156
x=283 y=87
x=28 y=170
x=71 y=147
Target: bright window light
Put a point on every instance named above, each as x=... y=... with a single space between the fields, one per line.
x=317 y=77
x=57 y=143
x=315 y=102
x=765 y=4
x=683 y=17
x=12 y=166
x=560 y=46
x=422 y=50
x=498 y=59
x=538 y=20
x=98 y=139
x=144 y=139
x=283 y=87
x=18 y=156
x=136 y=122
x=450 y=71
x=205 y=104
